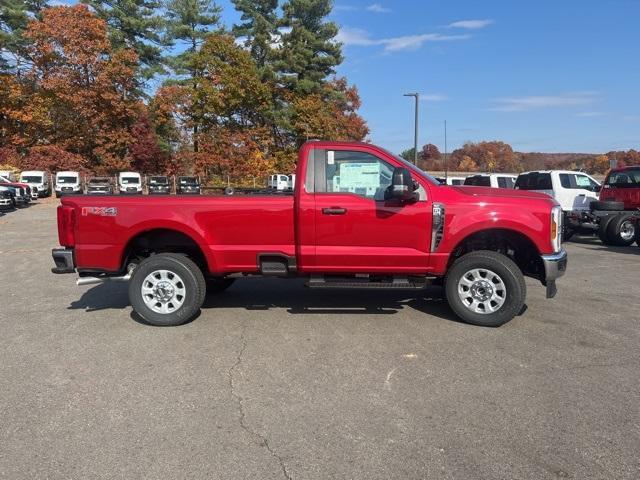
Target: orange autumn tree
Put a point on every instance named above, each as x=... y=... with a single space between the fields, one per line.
x=90 y=89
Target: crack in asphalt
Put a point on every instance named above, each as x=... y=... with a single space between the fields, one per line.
x=264 y=441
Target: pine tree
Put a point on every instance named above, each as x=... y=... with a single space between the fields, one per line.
x=134 y=24
x=14 y=18
x=259 y=30
x=309 y=52
x=189 y=22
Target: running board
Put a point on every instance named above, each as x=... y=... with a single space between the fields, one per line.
x=394 y=283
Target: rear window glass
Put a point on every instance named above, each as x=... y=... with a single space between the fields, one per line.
x=624 y=178
x=534 y=181
x=505 y=182
x=478 y=181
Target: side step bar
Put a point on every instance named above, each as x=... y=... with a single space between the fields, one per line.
x=393 y=283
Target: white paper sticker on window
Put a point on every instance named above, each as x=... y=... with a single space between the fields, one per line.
x=331 y=157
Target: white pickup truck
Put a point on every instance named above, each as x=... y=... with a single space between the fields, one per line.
x=574 y=191
x=493 y=180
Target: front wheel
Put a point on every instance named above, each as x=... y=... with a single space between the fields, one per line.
x=485 y=288
x=167 y=289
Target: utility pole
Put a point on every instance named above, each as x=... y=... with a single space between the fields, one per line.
x=446 y=164
x=415 y=135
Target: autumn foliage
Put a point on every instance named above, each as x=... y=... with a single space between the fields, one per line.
x=77 y=101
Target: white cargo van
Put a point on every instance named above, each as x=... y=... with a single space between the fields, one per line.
x=68 y=183
x=129 y=183
x=39 y=182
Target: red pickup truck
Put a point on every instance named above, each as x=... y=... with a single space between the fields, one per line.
x=359 y=217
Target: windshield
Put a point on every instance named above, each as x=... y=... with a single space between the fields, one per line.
x=67 y=179
x=98 y=180
x=412 y=167
x=624 y=179
x=130 y=180
x=158 y=180
x=188 y=181
x=31 y=179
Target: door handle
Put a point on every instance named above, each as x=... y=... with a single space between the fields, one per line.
x=334 y=211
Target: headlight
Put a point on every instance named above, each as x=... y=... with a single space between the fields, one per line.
x=556 y=228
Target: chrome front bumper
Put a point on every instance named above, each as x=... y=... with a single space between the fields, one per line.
x=555 y=266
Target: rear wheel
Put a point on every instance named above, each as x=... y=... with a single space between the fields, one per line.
x=167 y=289
x=485 y=288
x=622 y=230
x=603 y=229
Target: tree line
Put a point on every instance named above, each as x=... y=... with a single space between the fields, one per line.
x=164 y=87
x=497 y=156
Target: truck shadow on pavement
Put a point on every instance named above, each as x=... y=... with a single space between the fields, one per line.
x=596 y=244
x=262 y=295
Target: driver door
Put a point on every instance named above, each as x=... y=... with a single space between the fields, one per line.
x=357 y=230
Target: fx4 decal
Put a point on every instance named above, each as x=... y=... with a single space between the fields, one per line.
x=100 y=211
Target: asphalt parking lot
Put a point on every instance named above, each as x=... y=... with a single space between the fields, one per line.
x=274 y=381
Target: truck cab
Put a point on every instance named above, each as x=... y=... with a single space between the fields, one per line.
x=68 y=183
x=130 y=183
x=39 y=182
x=280 y=182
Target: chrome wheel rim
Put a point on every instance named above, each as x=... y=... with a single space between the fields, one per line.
x=482 y=291
x=627 y=230
x=163 y=291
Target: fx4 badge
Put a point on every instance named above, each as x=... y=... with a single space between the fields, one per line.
x=100 y=211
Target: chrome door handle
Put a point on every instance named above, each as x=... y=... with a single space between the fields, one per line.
x=334 y=211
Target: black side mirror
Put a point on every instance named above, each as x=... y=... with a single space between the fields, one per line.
x=402 y=185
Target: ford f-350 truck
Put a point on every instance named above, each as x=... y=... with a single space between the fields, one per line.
x=360 y=217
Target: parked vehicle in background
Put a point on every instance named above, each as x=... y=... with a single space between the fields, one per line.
x=19 y=194
x=493 y=180
x=39 y=181
x=158 y=184
x=187 y=185
x=617 y=209
x=574 y=191
x=280 y=182
x=451 y=181
x=130 y=183
x=384 y=224
x=8 y=175
x=68 y=183
x=22 y=190
x=99 y=186
x=7 y=200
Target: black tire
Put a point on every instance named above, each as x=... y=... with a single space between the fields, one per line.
x=515 y=289
x=217 y=284
x=229 y=191
x=638 y=232
x=621 y=230
x=603 y=229
x=194 y=286
x=567 y=233
x=606 y=206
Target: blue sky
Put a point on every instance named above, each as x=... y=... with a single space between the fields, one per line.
x=543 y=75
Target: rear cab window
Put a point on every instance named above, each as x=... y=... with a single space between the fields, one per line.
x=534 y=181
x=478 y=181
x=624 y=179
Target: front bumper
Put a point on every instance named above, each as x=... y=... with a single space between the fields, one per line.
x=63 y=258
x=5 y=202
x=555 y=266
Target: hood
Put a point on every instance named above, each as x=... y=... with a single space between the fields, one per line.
x=500 y=192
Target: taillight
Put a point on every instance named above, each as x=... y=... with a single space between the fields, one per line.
x=66 y=226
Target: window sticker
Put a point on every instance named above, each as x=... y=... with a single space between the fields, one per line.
x=360 y=178
x=582 y=181
x=331 y=157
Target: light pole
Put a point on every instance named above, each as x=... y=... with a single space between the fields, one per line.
x=415 y=135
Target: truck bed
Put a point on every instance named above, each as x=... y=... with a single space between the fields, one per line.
x=231 y=231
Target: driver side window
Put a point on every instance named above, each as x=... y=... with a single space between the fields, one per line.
x=356 y=172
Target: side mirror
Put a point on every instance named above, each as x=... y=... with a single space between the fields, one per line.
x=402 y=185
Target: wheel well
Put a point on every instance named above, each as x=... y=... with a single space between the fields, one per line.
x=515 y=245
x=156 y=241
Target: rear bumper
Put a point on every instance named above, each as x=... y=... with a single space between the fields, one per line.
x=555 y=266
x=63 y=258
